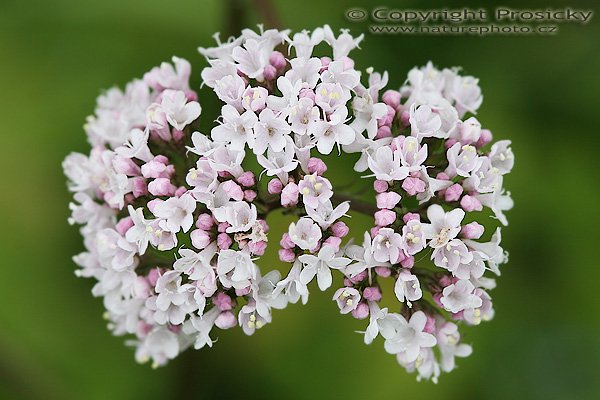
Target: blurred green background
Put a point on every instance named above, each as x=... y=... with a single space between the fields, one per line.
x=540 y=92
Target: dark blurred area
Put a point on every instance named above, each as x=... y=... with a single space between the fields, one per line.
x=541 y=92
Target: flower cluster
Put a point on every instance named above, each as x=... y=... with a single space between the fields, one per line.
x=174 y=221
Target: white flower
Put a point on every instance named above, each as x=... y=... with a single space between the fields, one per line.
x=114 y=251
x=303 y=116
x=413 y=237
x=240 y=215
x=459 y=296
x=363 y=257
x=387 y=245
x=462 y=160
x=176 y=213
x=252 y=58
x=424 y=122
x=141 y=231
x=136 y=146
x=249 y=319
x=304 y=43
x=387 y=165
x=265 y=297
x=160 y=345
x=502 y=157
x=291 y=285
x=407 y=288
x=343 y=44
x=178 y=110
x=325 y=215
x=174 y=300
x=448 y=342
x=200 y=327
x=347 y=299
x=491 y=251
x=305 y=233
x=235 y=269
x=320 y=265
x=452 y=255
x=270 y=131
x=279 y=162
x=407 y=337
x=332 y=132
x=230 y=89
x=305 y=70
x=337 y=73
x=412 y=155
x=443 y=226
x=236 y=129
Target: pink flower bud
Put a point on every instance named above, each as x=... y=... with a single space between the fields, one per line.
x=470 y=203
x=410 y=216
x=408 y=262
x=383 y=272
x=405 y=118
x=274 y=186
x=413 y=185
x=385 y=217
x=333 y=242
x=339 y=229
x=257 y=248
x=222 y=227
x=277 y=60
x=177 y=134
x=442 y=176
x=453 y=192
x=307 y=93
x=449 y=143
x=472 y=230
x=391 y=98
x=286 y=242
x=361 y=311
x=225 y=320
x=153 y=276
x=388 y=200
x=233 y=190
x=361 y=276
x=161 y=187
x=372 y=293
x=123 y=225
x=289 y=195
x=325 y=61
x=437 y=298
x=140 y=188
x=181 y=190
x=249 y=195
x=247 y=179
x=222 y=301
x=224 y=241
x=485 y=138
x=153 y=203
x=380 y=186
x=316 y=165
x=374 y=231
x=429 y=325
x=383 y=132
x=155 y=169
x=269 y=72
x=124 y=165
x=445 y=280
x=205 y=221
x=287 y=255
x=200 y=238
x=243 y=291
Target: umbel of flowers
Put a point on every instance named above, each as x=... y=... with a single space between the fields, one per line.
x=174 y=226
